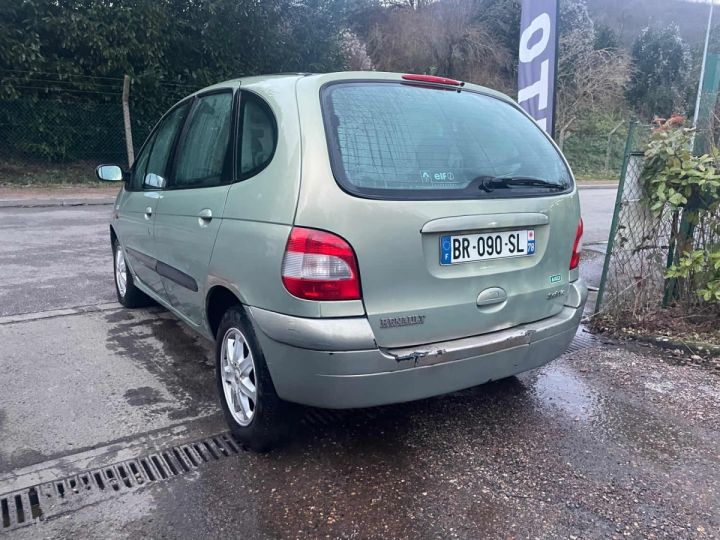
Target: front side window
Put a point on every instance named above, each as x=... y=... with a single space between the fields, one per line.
x=395 y=140
x=140 y=166
x=203 y=150
x=162 y=143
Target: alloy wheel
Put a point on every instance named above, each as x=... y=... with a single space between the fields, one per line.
x=238 y=376
x=120 y=271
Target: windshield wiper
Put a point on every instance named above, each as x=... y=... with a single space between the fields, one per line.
x=490 y=183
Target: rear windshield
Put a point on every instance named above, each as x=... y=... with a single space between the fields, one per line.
x=398 y=140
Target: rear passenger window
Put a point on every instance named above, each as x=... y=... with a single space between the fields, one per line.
x=203 y=150
x=256 y=144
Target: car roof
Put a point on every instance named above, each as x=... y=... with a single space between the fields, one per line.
x=247 y=81
x=251 y=81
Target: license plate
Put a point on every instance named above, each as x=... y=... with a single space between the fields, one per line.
x=480 y=247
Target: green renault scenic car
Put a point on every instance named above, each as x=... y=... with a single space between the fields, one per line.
x=351 y=239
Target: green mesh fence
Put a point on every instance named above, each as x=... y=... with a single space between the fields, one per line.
x=50 y=140
x=633 y=278
x=55 y=131
x=641 y=246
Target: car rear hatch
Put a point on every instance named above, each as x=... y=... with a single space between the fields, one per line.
x=440 y=193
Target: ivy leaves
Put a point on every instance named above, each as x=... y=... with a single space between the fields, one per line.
x=677 y=180
x=673 y=174
x=700 y=263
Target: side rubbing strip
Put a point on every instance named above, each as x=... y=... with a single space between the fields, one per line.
x=144 y=259
x=181 y=278
x=165 y=270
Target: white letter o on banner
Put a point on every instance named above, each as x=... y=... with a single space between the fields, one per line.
x=540 y=23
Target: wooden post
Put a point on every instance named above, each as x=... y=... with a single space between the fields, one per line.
x=607 y=150
x=126 y=120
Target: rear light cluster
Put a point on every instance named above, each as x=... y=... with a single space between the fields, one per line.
x=577 y=246
x=319 y=265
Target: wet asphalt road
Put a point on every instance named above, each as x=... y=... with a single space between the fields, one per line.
x=54 y=258
x=605 y=441
x=597 y=207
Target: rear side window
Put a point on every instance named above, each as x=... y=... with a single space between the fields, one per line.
x=396 y=140
x=203 y=149
x=258 y=136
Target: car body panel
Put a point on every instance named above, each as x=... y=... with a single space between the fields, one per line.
x=401 y=273
x=371 y=377
x=134 y=227
x=184 y=242
x=259 y=214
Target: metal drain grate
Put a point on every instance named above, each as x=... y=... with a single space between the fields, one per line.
x=583 y=340
x=28 y=505
x=19 y=508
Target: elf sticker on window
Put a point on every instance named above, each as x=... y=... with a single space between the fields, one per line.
x=444 y=177
x=428 y=177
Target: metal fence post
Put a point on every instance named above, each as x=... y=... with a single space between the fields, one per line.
x=126 y=120
x=616 y=214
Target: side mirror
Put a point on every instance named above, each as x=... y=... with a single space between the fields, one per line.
x=109 y=173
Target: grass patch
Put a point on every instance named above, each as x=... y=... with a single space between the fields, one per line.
x=600 y=177
x=38 y=174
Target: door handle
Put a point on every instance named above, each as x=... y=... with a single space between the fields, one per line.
x=148 y=212
x=204 y=217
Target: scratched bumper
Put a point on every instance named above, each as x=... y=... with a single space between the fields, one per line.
x=363 y=378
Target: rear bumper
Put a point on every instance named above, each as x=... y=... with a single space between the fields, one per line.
x=334 y=363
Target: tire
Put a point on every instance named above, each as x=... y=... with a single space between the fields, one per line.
x=259 y=420
x=127 y=293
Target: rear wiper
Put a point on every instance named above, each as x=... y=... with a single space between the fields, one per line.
x=489 y=183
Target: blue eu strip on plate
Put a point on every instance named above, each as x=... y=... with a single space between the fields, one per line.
x=445 y=250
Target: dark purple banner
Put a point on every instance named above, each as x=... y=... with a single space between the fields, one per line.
x=536 y=69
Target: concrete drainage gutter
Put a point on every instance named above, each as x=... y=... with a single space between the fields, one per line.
x=50 y=499
x=48 y=203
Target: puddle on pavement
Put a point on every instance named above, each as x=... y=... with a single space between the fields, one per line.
x=558 y=387
x=143 y=396
x=181 y=361
x=612 y=413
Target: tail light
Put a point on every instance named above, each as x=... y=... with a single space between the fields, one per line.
x=577 y=246
x=319 y=265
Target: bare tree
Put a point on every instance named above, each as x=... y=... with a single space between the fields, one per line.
x=444 y=38
x=588 y=80
x=412 y=4
x=355 y=52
